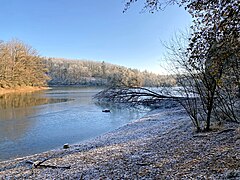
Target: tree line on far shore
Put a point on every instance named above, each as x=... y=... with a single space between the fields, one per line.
x=21 y=65
x=92 y=73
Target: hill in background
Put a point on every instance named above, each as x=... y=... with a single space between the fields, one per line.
x=66 y=72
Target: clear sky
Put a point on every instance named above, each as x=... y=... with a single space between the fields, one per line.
x=92 y=29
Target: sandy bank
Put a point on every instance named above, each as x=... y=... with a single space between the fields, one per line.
x=161 y=145
x=22 y=89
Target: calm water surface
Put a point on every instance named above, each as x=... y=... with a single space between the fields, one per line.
x=35 y=122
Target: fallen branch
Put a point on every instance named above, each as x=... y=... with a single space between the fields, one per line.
x=132 y=95
x=226 y=130
x=142 y=164
x=39 y=164
x=200 y=135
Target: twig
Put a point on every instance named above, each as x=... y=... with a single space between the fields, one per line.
x=226 y=130
x=200 y=135
x=39 y=164
x=142 y=164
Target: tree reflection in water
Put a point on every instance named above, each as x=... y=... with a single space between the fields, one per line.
x=30 y=123
x=15 y=107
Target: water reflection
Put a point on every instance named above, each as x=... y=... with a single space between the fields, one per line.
x=13 y=123
x=35 y=122
x=18 y=100
x=14 y=110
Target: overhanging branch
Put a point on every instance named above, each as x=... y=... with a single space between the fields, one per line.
x=132 y=95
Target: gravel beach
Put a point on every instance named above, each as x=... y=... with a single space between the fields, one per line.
x=161 y=145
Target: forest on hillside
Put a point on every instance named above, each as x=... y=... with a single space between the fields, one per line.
x=20 y=65
x=92 y=73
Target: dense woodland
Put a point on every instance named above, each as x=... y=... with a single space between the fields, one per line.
x=92 y=73
x=20 y=65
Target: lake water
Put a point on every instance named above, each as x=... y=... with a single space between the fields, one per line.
x=36 y=122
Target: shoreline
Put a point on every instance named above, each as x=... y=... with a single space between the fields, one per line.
x=21 y=89
x=160 y=145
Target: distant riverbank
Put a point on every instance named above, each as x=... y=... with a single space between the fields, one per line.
x=21 y=89
x=161 y=145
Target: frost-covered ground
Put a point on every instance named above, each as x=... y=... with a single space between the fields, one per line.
x=161 y=145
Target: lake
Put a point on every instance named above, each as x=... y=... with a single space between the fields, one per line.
x=31 y=123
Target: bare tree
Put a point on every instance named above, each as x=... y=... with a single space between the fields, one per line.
x=200 y=92
x=208 y=64
x=21 y=65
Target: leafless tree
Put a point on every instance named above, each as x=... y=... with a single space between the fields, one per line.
x=20 y=65
x=208 y=64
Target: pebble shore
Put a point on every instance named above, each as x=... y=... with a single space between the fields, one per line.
x=161 y=145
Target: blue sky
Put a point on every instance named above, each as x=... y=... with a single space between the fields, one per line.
x=92 y=29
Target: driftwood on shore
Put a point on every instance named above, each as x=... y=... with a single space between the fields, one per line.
x=39 y=164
